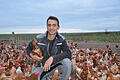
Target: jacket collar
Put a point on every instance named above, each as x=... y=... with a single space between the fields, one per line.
x=57 y=34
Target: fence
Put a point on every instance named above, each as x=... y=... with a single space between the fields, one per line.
x=17 y=36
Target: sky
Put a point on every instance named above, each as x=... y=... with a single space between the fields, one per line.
x=29 y=16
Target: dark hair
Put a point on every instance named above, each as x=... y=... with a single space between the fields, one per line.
x=53 y=18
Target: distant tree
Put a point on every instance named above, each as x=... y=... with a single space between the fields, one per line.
x=106 y=31
x=13 y=33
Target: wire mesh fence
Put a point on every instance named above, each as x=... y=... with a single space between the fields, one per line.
x=17 y=36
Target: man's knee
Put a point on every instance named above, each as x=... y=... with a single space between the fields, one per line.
x=66 y=68
x=67 y=63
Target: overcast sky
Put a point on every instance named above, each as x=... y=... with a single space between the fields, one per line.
x=29 y=16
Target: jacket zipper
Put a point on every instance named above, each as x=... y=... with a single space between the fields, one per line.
x=48 y=48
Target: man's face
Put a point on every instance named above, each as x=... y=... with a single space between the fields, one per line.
x=52 y=27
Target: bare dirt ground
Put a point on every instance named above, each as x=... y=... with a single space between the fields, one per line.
x=95 y=44
x=98 y=44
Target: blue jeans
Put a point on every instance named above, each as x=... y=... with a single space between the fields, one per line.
x=64 y=70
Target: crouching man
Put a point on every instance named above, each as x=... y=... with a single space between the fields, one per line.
x=55 y=52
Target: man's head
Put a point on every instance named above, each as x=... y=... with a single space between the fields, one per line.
x=52 y=25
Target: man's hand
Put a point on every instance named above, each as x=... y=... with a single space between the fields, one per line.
x=37 y=58
x=47 y=64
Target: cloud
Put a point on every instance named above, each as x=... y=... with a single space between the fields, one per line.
x=81 y=14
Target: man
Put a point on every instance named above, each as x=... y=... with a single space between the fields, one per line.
x=55 y=52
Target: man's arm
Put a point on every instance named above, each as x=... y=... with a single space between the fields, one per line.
x=29 y=52
x=29 y=48
x=65 y=54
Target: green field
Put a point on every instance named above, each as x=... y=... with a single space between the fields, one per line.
x=96 y=36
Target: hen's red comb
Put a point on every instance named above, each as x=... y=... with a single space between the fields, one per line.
x=37 y=73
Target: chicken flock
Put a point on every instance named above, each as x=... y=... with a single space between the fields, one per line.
x=88 y=64
x=95 y=64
